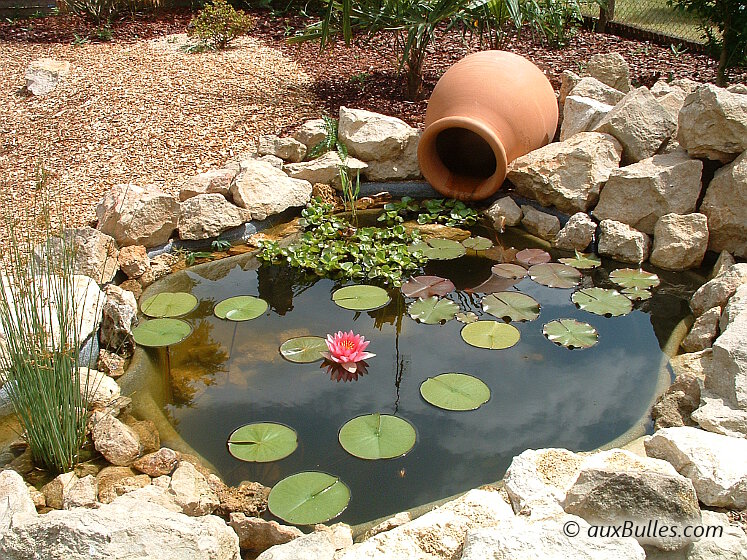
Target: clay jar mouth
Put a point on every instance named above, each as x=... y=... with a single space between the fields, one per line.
x=462 y=158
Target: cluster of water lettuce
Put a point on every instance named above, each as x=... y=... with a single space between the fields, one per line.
x=331 y=247
x=452 y=213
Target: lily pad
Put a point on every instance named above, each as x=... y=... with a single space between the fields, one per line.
x=493 y=284
x=601 y=301
x=512 y=305
x=509 y=271
x=529 y=257
x=637 y=294
x=433 y=310
x=161 y=332
x=427 y=286
x=555 y=275
x=455 y=391
x=466 y=317
x=361 y=297
x=490 y=334
x=500 y=254
x=308 y=497
x=571 y=333
x=262 y=442
x=634 y=278
x=303 y=349
x=583 y=261
x=477 y=243
x=168 y=304
x=240 y=308
x=438 y=249
x=377 y=436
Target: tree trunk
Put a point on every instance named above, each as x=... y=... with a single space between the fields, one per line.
x=606 y=14
x=414 y=75
x=726 y=46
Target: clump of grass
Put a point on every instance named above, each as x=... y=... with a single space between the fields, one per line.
x=39 y=369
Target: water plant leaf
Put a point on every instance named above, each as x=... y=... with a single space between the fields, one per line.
x=168 y=304
x=240 y=308
x=455 y=391
x=262 y=442
x=377 y=436
x=583 y=261
x=636 y=294
x=492 y=285
x=308 y=497
x=571 y=333
x=512 y=305
x=555 y=275
x=303 y=349
x=361 y=297
x=529 y=257
x=433 y=310
x=500 y=254
x=601 y=301
x=427 y=286
x=438 y=249
x=156 y=333
x=508 y=270
x=477 y=243
x=466 y=317
x=634 y=278
x=490 y=334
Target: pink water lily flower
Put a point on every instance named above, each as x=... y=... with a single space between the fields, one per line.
x=346 y=349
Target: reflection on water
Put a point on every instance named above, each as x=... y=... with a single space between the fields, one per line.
x=228 y=374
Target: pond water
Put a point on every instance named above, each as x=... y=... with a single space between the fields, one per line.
x=227 y=374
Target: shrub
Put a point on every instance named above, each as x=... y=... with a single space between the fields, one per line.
x=219 y=23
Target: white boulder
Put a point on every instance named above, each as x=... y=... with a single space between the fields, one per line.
x=264 y=190
x=623 y=243
x=680 y=241
x=213 y=181
x=324 y=169
x=577 y=234
x=43 y=75
x=581 y=114
x=610 y=69
x=504 y=212
x=725 y=204
x=208 y=215
x=288 y=149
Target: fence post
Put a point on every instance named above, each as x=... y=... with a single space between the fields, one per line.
x=606 y=14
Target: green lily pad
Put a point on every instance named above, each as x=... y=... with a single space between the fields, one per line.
x=600 y=301
x=466 y=317
x=433 y=310
x=634 y=278
x=555 y=275
x=168 y=304
x=361 y=297
x=636 y=294
x=455 y=391
x=512 y=305
x=308 y=497
x=477 y=243
x=161 y=332
x=427 y=286
x=509 y=271
x=490 y=334
x=582 y=261
x=438 y=249
x=571 y=333
x=377 y=436
x=303 y=349
x=240 y=308
x=529 y=257
x=262 y=442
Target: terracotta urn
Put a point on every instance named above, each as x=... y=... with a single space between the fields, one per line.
x=488 y=109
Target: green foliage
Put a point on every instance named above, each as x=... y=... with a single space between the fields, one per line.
x=218 y=23
x=330 y=142
x=332 y=248
x=449 y=212
x=350 y=190
x=555 y=20
x=98 y=11
x=220 y=245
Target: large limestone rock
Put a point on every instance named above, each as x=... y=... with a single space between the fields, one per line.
x=703 y=332
x=568 y=81
x=568 y=175
x=97 y=388
x=16 y=504
x=159 y=463
x=639 y=194
x=57 y=489
x=716 y=464
x=132 y=529
x=610 y=69
x=640 y=124
x=713 y=123
x=311 y=132
x=720 y=417
x=118 y=443
x=208 y=215
x=404 y=166
x=314 y=546
x=258 y=535
x=725 y=204
x=680 y=242
x=134 y=261
x=191 y=491
x=119 y=317
x=673 y=102
x=93 y=253
x=264 y=190
x=324 y=169
x=371 y=136
x=538 y=223
x=581 y=114
x=623 y=243
x=592 y=88
x=213 y=181
x=135 y=215
x=716 y=292
x=566 y=536
x=676 y=405
x=727 y=376
x=437 y=534
x=504 y=212
x=577 y=234
x=43 y=75
x=288 y=149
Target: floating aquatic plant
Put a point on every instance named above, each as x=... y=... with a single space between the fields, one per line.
x=377 y=436
x=571 y=333
x=308 y=497
x=555 y=275
x=513 y=306
x=601 y=301
x=455 y=391
x=303 y=349
x=582 y=261
x=529 y=257
x=634 y=278
x=490 y=334
x=427 y=286
x=262 y=442
x=433 y=310
x=347 y=349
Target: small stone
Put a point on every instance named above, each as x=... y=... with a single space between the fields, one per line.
x=577 y=234
x=217 y=181
x=111 y=364
x=156 y=271
x=249 y=498
x=314 y=546
x=541 y=224
x=720 y=417
x=97 y=388
x=324 y=169
x=82 y=494
x=694 y=364
x=610 y=69
x=192 y=492
x=703 y=332
x=56 y=490
x=118 y=443
x=117 y=481
x=133 y=261
x=132 y=286
x=16 y=504
x=504 y=211
x=388 y=524
x=147 y=433
x=623 y=243
x=568 y=80
x=676 y=405
x=43 y=75
x=591 y=88
x=159 y=463
x=37 y=497
x=257 y=535
x=311 y=132
x=680 y=242
x=288 y=149
x=340 y=534
x=724 y=262
x=716 y=292
x=119 y=317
